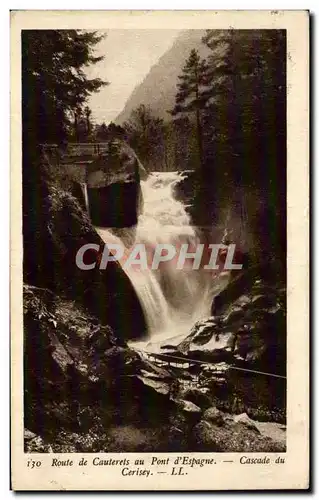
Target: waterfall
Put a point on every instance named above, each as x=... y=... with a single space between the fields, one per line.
x=172 y=300
x=86 y=197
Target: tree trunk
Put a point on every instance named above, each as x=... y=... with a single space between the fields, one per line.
x=198 y=125
x=199 y=138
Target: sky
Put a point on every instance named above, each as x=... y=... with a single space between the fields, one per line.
x=128 y=57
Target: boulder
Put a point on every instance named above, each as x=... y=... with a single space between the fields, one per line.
x=206 y=342
x=214 y=379
x=200 y=334
x=139 y=399
x=154 y=371
x=158 y=386
x=273 y=430
x=214 y=416
x=36 y=445
x=263 y=301
x=250 y=333
x=255 y=318
x=188 y=407
x=28 y=435
x=232 y=438
x=113 y=185
x=112 y=364
x=117 y=163
x=248 y=422
x=185 y=413
x=198 y=397
x=101 y=339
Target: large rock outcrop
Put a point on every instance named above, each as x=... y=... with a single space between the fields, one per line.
x=251 y=329
x=248 y=333
x=113 y=183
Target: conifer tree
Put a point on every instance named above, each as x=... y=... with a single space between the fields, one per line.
x=54 y=81
x=245 y=92
x=190 y=97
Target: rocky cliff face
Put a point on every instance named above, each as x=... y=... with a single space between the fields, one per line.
x=53 y=232
x=112 y=174
x=251 y=330
x=113 y=184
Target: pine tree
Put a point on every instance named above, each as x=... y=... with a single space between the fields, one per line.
x=191 y=98
x=88 y=113
x=245 y=91
x=246 y=121
x=54 y=82
x=55 y=88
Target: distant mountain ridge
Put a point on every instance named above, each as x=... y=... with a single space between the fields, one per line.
x=158 y=89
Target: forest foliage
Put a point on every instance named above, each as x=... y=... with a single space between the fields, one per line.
x=229 y=125
x=55 y=87
x=230 y=107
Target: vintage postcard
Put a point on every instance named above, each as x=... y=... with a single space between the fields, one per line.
x=159 y=250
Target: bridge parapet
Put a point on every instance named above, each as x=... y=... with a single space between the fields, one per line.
x=80 y=151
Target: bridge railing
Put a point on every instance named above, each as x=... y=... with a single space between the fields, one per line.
x=93 y=148
x=77 y=148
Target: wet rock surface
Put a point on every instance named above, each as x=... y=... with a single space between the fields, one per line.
x=251 y=332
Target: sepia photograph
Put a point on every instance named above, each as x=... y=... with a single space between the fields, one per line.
x=164 y=359
x=154 y=244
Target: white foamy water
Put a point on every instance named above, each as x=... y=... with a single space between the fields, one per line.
x=172 y=300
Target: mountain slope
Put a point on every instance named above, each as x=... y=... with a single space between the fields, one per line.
x=158 y=89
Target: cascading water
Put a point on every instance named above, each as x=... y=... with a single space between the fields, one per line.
x=86 y=197
x=172 y=300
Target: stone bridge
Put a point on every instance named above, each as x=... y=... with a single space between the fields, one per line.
x=108 y=172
